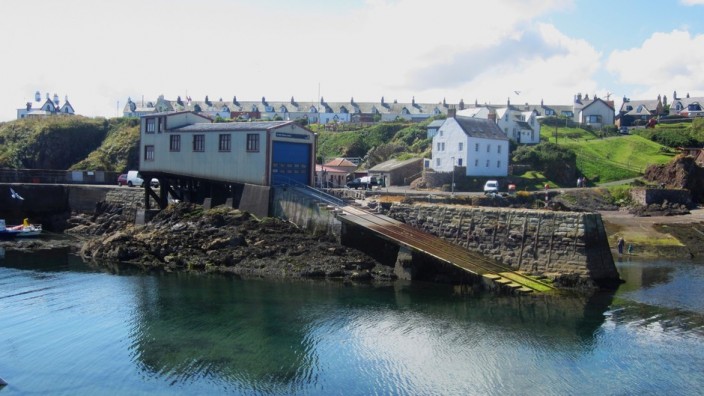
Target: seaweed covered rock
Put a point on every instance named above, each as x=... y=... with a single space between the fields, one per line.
x=185 y=237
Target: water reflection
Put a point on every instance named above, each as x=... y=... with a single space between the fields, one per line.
x=272 y=336
x=201 y=334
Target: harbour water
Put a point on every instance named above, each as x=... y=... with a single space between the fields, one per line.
x=69 y=328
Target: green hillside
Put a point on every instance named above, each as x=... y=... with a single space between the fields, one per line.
x=612 y=158
x=119 y=150
x=378 y=142
x=69 y=143
x=49 y=143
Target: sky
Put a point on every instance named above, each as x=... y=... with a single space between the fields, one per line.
x=99 y=53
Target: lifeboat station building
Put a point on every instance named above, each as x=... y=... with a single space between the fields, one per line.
x=237 y=163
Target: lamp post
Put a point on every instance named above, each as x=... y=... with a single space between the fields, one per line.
x=452 y=192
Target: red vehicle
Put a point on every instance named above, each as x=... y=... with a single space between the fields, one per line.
x=122 y=180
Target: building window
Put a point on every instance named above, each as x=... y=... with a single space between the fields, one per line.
x=160 y=124
x=199 y=143
x=151 y=125
x=487 y=163
x=252 y=142
x=149 y=153
x=593 y=119
x=175 y=143
x=476 y=147
x=498 y=164
x=459 y=162
x=437 y=161
x=225 y=142
x=443 y=146
x=476 y=163
x=488 y=148
x=441 y=132
x=498 y=149
x=461 y=146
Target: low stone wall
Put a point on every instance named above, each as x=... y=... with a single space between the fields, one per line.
x=131 y=200
x=535 y=241
x=648 y=196
x=304 y=211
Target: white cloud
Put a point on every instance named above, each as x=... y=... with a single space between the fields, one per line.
x=692 y=2
x=665 y=62
x=221 y=48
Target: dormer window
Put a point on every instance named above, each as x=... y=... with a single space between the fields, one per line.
x=255 y=108
x=629 y=108
x=344 y=110
x=312 y=109
x=283 y=109
x=405 y=111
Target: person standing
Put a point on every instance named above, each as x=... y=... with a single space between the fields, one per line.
x=620 y=244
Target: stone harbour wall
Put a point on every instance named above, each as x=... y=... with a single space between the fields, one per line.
x=534 y=241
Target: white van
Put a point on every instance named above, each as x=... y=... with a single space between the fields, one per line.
x=134 y=179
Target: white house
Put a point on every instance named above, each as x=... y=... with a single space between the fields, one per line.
x=520 y=126
x=475 y=143
x=187 y=144
x=49 y=107
x=596 y=113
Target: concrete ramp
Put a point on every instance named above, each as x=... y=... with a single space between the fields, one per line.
x=475 y=263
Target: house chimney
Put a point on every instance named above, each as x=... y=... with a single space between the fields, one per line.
x=451 y=112
x=492 y=116
x=461 y=104
x=29 y=106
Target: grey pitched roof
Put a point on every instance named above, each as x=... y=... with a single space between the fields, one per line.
x=652 y=105
x=481 y=128
x=232 y=126
x=393 y=164
x=436 y=124
x=608 y=104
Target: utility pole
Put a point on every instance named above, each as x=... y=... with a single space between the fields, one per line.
x=556 y=131
x=452 y=193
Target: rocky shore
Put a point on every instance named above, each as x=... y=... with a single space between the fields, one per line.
x=185 y=237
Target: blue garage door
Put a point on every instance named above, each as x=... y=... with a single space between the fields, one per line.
x=290 y=163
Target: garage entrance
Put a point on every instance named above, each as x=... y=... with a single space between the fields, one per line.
x=290 y=163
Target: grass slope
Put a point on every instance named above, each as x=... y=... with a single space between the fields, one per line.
x=49 y=143
x=612 y=158
x=118 y=152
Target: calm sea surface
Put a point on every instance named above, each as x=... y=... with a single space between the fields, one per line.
x=67 y=328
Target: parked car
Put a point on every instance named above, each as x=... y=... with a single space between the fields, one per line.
x=365 y=182
x=623 y=130
x=134 y=179
x=491 y=187
x=122 y=180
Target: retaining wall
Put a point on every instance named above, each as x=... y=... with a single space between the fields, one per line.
x=304 y=211
x=648 y=196
x=535 y=241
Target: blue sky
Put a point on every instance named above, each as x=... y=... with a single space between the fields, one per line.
x=99 y=53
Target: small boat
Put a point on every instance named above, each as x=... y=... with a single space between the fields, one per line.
x=24 y=230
